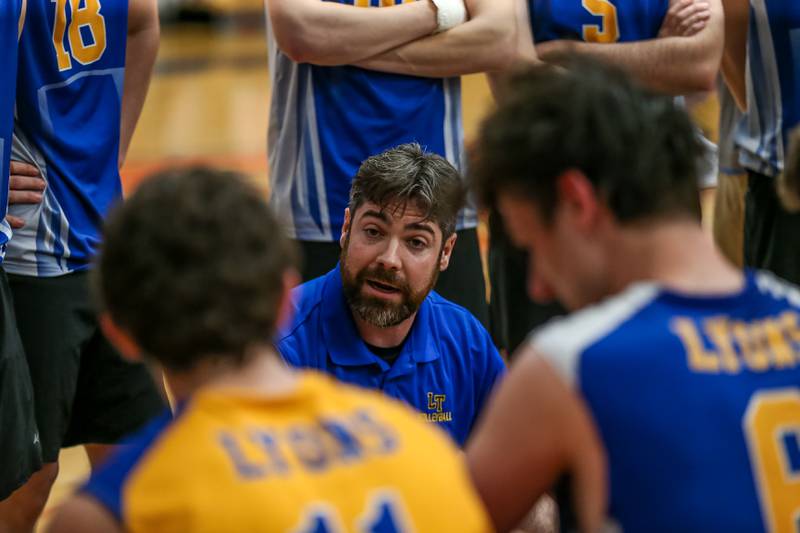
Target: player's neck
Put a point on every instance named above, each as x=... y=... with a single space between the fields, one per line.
x=263 y=373
x=680 y=255
x=384 y=337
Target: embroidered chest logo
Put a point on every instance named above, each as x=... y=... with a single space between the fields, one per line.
x=436 y=409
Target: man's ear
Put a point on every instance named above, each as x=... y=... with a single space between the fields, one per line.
x=120 y=338
x=578 y=196
x=291 y=279
x=345 y=227
x=447 y=251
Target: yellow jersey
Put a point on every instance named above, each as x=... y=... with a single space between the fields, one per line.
x=326 y=458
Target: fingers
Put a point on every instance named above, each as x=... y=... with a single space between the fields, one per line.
x=694 y=22
x=20 y=168
x=25 y=189
x=685 y=18
x=15 y=222
x=26 y=183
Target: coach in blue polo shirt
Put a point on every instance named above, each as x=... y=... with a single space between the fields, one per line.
x=374 y=320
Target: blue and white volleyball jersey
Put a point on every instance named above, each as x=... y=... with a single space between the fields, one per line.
x=697 y=402
x=10 y=12
x=600 y=21
x=69 y=94
x=729 y=118
x=773 y=84
x=325 y=121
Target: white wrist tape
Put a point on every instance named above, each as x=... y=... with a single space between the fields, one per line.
x=449 y=14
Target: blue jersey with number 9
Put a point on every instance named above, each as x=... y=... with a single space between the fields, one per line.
x=9 y=20
x=69 y=93
x=697 y=401
x=599 y=21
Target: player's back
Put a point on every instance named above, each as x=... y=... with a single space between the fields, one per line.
x=69 y=94
x=325 y=457
x=602 y=21
x=697 y=401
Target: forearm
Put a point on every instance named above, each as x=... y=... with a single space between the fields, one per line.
x=488 y=42
x=142 y=47
x=737 y=13
x=665 y=65
x=306 y=29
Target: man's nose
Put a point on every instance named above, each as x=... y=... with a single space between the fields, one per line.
x=389 y=257
x=538 y=289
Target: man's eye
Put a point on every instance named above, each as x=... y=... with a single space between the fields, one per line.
x=372 y=233
x=417 y=244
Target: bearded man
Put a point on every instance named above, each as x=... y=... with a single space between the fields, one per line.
x=374 y=320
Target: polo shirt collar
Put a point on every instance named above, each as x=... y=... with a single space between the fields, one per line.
x=345 y=346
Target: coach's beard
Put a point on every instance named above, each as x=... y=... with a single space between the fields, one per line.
x=379 y=312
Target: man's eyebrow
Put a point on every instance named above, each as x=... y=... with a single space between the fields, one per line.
x=380 y=215
x=421 y=226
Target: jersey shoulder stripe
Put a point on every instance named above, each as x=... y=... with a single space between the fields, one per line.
x=562 y=341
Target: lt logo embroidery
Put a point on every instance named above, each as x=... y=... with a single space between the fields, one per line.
x=436 y=412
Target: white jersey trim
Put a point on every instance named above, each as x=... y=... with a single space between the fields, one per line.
x=563 y=341
x=769 y=283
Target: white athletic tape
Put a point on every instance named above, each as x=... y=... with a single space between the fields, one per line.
x=449 y=14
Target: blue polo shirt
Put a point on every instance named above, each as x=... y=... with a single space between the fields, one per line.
x=446 y=369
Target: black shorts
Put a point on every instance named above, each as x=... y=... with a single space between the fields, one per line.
x=771 y=233
x=19 y=439
x=462 y=283
x=85 y=393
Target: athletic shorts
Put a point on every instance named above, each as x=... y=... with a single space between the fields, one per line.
x=19 y=439
x=771 y=233
x=85 y=393
x=462 y=283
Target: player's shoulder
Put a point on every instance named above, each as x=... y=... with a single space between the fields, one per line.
x=562 y=341
x=307 y=300
x=773 y=290
x=108 y=483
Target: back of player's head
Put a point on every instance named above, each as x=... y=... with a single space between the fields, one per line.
x=408 y=174
x=640 y=151
x=193 y=266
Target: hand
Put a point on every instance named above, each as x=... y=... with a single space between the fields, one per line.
x=25 y=187
x=685 y=18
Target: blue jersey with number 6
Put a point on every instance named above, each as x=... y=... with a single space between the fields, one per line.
x=9 y=21
x=697 y=401
x=69 y=94
x=599 y=21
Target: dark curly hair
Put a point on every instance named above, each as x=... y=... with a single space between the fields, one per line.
x=640 y=151
x=192 y=267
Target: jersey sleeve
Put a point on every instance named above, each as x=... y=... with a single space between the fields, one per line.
x=107 y=483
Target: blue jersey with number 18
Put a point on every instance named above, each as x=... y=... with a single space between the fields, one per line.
x=600 y=21
x=697 y=402
x=9 y=21
x=69 y=94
